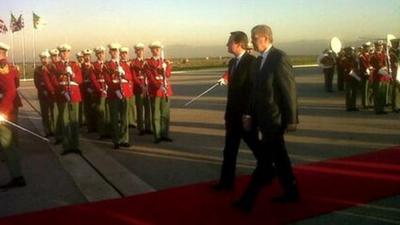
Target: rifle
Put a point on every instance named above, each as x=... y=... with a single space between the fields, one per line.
x=165 y=83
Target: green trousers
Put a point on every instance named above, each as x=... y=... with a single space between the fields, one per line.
x=380 y=91
x=59 y=122
x=89 y=107
x=132 y=111
x=366 y=93
x=70 y=125
x=119 y=120
x=47 y=111
x=351 y=88
x=160 y=116
x=143 y=109
x=395 y=95
x=9 y=146
x=101 y=114
x=81 y=114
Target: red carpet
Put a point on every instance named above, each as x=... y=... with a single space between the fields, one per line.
x=325 y=186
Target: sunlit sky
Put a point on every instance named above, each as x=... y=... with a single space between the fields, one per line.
x=192 y=23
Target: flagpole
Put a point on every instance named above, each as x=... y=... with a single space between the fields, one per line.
x=34 y=48
x=12 y=47
x=23 y=52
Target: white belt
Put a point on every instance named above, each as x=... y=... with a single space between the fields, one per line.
x=101 y=80
x=118 y=81
x=73 y=83
x=159 y=77
x=141 y=77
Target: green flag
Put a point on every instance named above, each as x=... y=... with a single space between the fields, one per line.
x=38 y=22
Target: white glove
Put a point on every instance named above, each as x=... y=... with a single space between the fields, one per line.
x=367 y=71
x=2 y=117
x=164 y=65
x=221 y=81
x=68 y=69
x=120 y=70
x=119 y=94
x=383 y=71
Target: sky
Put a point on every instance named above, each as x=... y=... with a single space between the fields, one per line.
x=191 y=28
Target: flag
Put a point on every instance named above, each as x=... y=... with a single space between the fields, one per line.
x=16 y=24
x=38 y=22
x=3 y=27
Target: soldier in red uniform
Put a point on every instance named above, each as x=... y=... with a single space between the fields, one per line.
x=67 y=79
x=46 y=94
x=142 y=100
x=380 y=78
x=55 y=57
x=87 y=92
x=365 y=73
x=126 y=63
x=351 y=78
x=158 y=72
x=8 y=110
x=99 y=85
x=119 y=91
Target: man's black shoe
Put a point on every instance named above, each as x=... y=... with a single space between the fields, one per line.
x=14 y=183
x=125 y=145
x=287 y=198
x=116 y=146
x=220 y=186
x=167 y=139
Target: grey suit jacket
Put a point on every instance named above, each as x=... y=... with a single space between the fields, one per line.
x=273 y=97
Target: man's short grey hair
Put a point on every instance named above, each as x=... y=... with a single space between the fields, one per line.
x=263 y=30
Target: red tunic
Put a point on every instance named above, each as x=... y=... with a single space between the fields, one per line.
x=67 y=91
x=154 y=72
x=116 y=83
x=8 y=89
x=43 y=84
x=365 y=63
x=378 y=61
x=97 y=79
x=139 y=75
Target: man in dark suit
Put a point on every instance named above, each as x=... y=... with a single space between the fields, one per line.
x=272 y=110
x=238 y=80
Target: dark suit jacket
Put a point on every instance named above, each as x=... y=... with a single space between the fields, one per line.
x=238 y=88
x=273 y=98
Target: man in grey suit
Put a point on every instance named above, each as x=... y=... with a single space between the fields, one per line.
x=273 y=110
x=238 y=81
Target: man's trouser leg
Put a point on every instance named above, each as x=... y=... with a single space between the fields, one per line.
x=379 y=96
x=101 y=115
x=71 y=126
x=147 y=113
x=8 y=146
x=59 y=121
x=395 y=95
x=156 y=116
x=131 y=110
x=140 y=111
x=165 y=115
x=45 y=115
x=119 y=121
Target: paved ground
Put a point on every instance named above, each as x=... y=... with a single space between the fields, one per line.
x=326 y=131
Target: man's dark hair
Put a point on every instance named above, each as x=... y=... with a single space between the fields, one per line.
x=240 y=37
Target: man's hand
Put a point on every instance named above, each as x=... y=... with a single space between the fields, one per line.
x=2 y=118
x=291 y=127
x=68 y=69
x=221 y=81
x=121 y=71
x=247 y=122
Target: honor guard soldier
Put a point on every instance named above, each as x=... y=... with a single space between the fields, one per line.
x=158 y=71
x=119 y=91
x=143 y=108
x=79 y=59
x=394 y=63
x=365 y=73
x=67 y=80
x=46 y=94
x=8 y=111
x=380 y=78
x=339 y=68
x=327 y=62
x=100 y=94
x=87 y=92
x=125 y=63
x=351 y=78
x=55 y=57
